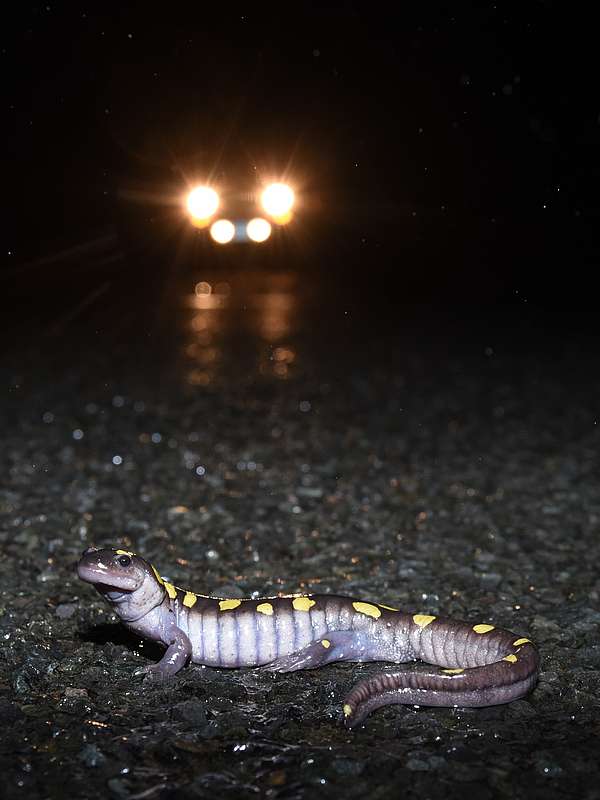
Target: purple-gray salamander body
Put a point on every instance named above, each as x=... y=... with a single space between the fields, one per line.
x=475 y=664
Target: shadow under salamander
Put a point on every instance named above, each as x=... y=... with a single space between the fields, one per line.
x=106 y=633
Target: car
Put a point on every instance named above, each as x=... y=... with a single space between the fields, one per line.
x=234 y=215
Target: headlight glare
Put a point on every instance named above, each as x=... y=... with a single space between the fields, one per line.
x=202 y=202
x=277 y=200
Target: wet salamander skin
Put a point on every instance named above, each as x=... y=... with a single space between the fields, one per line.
x=475 y=664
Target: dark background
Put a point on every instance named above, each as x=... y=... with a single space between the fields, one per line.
x=448 y=153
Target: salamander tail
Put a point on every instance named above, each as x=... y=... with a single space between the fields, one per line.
x=500 y=682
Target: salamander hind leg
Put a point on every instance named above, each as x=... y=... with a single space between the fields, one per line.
x=334 y=646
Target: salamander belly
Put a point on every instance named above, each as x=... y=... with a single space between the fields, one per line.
x=251 y=634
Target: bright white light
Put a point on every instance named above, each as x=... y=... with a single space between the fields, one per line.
x=278 y=199
x=222 y=231
x=258 y=229
x=202 y=202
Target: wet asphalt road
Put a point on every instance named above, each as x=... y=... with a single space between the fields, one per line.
x=247 y=434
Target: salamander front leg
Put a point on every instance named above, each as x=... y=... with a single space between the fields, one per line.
x=334 y=646
x=178 y=653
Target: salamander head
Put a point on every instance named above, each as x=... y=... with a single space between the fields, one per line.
x=125 y=581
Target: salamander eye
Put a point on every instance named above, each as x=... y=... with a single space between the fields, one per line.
x=124 y=561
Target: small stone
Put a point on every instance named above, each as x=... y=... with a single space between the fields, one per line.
x=417 y=765
x=72 y=691
x=231 y=591
x=348 y=766
x=9 y=712
x=92 y=756
x=191 y=711
x=65 y=610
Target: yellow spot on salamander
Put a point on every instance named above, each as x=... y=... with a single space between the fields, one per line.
x=483 y=628
x=347 y=710
x=303 y=603
x=367 y=608
x=422 y=620
x=388 y=608
x=453 y=671
x=157 y=575
x=124 y=553
x=521 y=641
x=265 y=608
x=326 y=643
x=190 y=599
x=171 y=590
x=511 y=658
x=227 y=605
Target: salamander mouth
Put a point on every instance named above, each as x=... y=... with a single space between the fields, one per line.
x=101 y=578
x=113 y=593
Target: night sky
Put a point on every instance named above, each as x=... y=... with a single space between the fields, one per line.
x=450 y=151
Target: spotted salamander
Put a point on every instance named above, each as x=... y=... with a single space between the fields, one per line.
x=475 y=664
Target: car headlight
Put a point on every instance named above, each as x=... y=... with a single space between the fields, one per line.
x=222 y=231
x=277 y=200
x=202 y=203
x=258 y=229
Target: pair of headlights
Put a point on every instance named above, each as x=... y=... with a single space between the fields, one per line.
x=277 y=201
